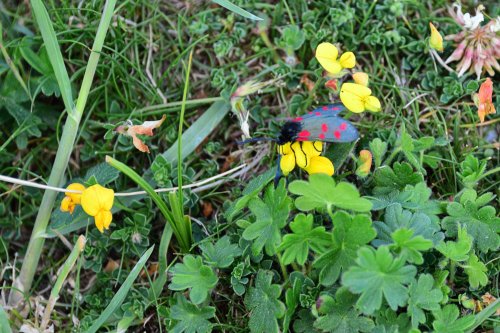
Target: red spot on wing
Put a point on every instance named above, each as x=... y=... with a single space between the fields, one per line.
x=336 y=108
x=318 y=113
x=301 y=139
x=298 y=119
x=325 y=108
x=337 y=134
x=343 y=126
x=321 y=136
x=310 y=112
x=324 y=127
x=304 y=134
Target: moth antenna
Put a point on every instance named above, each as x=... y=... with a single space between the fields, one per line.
x=254 y=140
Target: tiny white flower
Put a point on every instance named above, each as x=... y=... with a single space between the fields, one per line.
x=472 y=22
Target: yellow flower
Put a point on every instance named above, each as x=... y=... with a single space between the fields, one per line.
x=70 y=201
x=306 y=155
x=97 y=201
x=364 y=163
x=327 y=53
x=436 y=41
x=357 y=98
x=361 y=78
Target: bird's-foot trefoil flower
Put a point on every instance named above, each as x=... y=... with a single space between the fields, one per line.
x=71 y=199
x=97 y=201
x=436 y=40
x=484 y=99
x=305 y=155
x=358 y=98
x=327 y=53
x=146 y=128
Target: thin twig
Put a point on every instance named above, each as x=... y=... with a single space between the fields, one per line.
x=441 y=62
x=148 y=65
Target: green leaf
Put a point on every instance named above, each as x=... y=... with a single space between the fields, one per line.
x=476 y=270
x=471 y=170
x=388 y=179
x=252 y=189
x=459 y=250
x=264 y=305
x=383 y=201
x=341 y=317
x=378 y=274
x=396 y=218
x=296 y=246
x=237 y=10
x=481 y=222
x=423 y=296
x=271 y=215
x=120 y=295
x=4 y=322
x=321 y=192
x=103 y=173
x=190 y=318
x=378 y=149
x=193 y=274
x=447 y=321
x=349 y=234
x=409 y=247
x=221 y=254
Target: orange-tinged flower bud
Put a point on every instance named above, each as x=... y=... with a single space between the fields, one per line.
x=364 y=163
x=485 y=99
x=361 y=78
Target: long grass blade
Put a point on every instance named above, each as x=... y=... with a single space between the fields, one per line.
x=237 y=10
x=4 y=322
x=56 y=58
x=119 y=297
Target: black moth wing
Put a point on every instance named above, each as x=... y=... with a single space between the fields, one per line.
x=324 y=124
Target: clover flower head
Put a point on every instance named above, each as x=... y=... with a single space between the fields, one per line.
x=71 y=199
x=97 y=201
x=478 y=46
x=358 y=98
x=327 y=53
x=306 y=155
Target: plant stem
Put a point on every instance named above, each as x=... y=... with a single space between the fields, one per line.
x=32 y=256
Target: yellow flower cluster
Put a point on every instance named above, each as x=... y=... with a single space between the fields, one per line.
x=96 y=201
x=356 y=97
x=306 y=155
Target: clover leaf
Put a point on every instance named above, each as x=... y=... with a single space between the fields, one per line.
x=296 y=246
x=349 y=234
x=193 y=274
x=388 y=179
x=271 y=215
x=423 y=296
x=482 y=223
x=340 y=315
x=396 y=218
x=264 y=304
x=190 y=318
x=221 y=254
x=322 y=192
x=376 y=274
x=476 y=270
x=447 y=321
x=409 y=247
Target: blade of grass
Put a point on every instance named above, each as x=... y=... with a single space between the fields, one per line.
x=52 y=45
x=119 y=297
x=485 y=314
x=237 y=10
x=4 y=322
x=35 y=245
x=64 y=272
